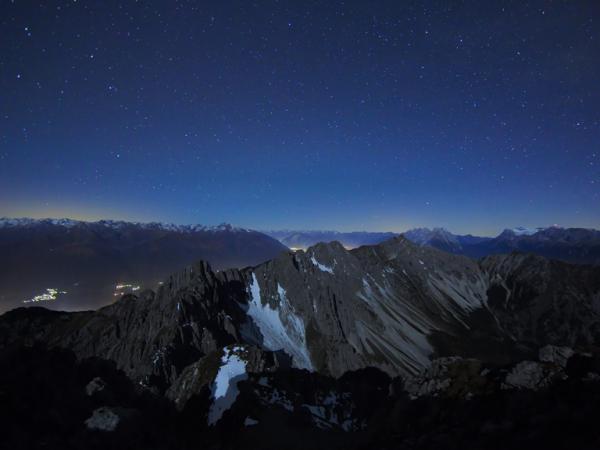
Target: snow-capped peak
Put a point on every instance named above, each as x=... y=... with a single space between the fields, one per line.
x=6 y=222
x=523 y=231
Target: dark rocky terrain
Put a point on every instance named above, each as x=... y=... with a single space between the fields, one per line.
x=88 y=259
x=394 y=345
x=48 y=403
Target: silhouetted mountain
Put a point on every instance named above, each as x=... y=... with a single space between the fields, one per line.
x=88 y=259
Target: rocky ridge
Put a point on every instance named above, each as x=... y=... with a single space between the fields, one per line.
x=396 y=307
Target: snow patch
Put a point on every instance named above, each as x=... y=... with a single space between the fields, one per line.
x=224 y=389
x=281 y=328
x=523 y=231
x=322 y=267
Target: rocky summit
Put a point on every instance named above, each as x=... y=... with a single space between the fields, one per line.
x=303 y=341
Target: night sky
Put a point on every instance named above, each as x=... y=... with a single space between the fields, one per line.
x=369 y=115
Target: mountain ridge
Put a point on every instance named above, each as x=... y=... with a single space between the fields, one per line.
x=384 y=306
x=6 y=222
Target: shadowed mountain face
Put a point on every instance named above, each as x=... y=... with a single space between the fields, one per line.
x=87 y=260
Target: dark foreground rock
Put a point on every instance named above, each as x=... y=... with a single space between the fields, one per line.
x=45 y=406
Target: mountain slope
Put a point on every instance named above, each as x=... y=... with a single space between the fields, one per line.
x=394 y=306
x=87 y=259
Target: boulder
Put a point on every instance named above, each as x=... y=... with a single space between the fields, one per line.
x=532 y=375
x=103 y=419
x=95 y=386
x=556 y=355
x=449 y=376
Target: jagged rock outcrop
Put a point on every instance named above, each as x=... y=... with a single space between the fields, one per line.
x=556 y=355
x=532 y=375
x=203 y=373
x=456 y=377
x=535 y=375
x=395 y=306
x=451 y=377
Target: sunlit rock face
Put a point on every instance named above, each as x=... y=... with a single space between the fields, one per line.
x=395 y=306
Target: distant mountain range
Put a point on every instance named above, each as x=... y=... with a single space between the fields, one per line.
x=305 y=239
x=575 y=245
x=69 y=264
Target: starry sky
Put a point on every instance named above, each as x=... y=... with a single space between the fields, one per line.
x=371 y=115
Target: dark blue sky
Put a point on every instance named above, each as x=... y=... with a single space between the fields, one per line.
x=348 y=115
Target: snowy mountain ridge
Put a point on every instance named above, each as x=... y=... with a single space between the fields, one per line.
x=6 y=222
